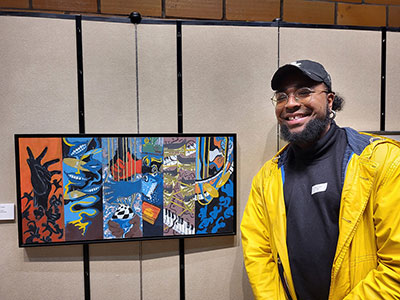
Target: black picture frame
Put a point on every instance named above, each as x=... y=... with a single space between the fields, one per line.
x=58 y=175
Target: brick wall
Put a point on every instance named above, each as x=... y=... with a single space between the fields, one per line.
x=339 y=12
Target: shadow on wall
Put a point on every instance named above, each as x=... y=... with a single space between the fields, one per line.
x=210 y=244
x=128 y=250
x=53 y=253
x=245 y=290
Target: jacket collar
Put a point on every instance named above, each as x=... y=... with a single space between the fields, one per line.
x=357 y=141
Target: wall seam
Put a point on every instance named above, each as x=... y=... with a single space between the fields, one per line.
x=383 y=81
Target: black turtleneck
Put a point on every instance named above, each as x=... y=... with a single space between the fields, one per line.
x=312 y=191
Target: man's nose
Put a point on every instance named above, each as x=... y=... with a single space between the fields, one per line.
x=291 y=101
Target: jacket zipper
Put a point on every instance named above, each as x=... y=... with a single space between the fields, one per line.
x=283 y=278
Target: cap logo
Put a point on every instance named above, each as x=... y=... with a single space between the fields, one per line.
x=296 y=64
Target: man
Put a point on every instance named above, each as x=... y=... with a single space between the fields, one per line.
x=323 y=216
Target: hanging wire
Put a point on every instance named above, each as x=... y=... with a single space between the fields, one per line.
x=138 y=131
x=141 y=269
x=137 y=79
x=279 y=47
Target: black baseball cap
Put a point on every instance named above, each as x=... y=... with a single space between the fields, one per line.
x=311 y=69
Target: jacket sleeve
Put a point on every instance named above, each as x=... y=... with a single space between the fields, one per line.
x=258 y=258
x=383 y=282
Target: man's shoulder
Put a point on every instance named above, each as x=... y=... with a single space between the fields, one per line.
x=271 y=165
x=360 y=141
x=384 y=149
x=268 y=165
x=377 y=148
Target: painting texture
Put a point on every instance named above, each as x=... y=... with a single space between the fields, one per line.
x=82 y=188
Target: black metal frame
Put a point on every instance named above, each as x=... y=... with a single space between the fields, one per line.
x=386 y=133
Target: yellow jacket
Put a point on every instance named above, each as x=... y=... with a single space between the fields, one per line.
x=367 y=259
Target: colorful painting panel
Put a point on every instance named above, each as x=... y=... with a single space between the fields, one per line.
x=75 y=189
x=214 y=185
x=122 y=199
x=41 y=190
x=179 y=168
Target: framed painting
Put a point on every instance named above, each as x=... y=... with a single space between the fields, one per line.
x=74 y=189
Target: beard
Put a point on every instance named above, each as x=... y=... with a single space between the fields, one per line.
x=311 y=133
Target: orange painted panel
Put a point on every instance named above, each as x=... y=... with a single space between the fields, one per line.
x=309 y=12
x=361 y=15
x=14 y=3
x=384 y=2
x=208 y=9
x=63 y=5
x=41 y=190
x=144 y=7
x=394 y=16
x=252 y=10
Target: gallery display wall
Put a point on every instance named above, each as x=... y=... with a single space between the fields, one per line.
x=226 y=74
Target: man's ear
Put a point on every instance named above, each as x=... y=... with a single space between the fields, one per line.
x=331 y=97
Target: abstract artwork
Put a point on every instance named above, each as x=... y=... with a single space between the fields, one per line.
x=75 y=189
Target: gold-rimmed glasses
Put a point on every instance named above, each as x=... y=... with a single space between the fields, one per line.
x=302 y=95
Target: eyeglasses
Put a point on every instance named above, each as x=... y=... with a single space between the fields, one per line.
x=302 y=95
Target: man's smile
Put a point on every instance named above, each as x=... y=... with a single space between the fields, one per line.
x=295 y=119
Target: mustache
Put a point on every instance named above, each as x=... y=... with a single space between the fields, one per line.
x=311 y=133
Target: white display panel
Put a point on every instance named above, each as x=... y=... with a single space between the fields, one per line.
x=111 y=106
x=109 y=67
x=158 y=114
x=38 y=92
x=353 y=59
x=115 y=271
x=226 y=74
x=110 y=77
x=157 y=78
x=392 y=120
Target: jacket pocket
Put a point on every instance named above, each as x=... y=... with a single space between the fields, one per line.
x=360 y=266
